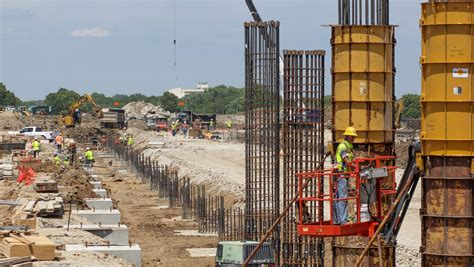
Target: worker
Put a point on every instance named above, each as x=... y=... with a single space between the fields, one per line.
x=58 y=140
x=57 y=159
x=72 y=149
x=36 y=145
x=130 y=140
x=344 y=157
x=174 y=128
x=89 y=156
x=66 y=161
x=229 y=124
x=103 y=140
x=211 y=125
x=185 y=128
x=125 y=139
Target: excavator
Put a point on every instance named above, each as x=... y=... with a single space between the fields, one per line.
x=73 y=117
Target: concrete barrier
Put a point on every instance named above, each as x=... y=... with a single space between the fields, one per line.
x=99 y=203
x=115 y=234
x=99 y=216
x=132 y=254
x=100 y=192
x=96 y=184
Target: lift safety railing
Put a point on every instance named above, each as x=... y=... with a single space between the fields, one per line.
x=370 y=181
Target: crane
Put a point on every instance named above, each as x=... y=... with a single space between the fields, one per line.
x=70 y=119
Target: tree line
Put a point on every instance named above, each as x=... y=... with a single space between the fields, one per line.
x=217 y=100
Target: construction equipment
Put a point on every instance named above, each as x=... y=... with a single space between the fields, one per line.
x=370 y=182
x=23 y=110
x=73 y=117
x=113 y=118
x=234 y=253
x=387 y=224
x=40 y=110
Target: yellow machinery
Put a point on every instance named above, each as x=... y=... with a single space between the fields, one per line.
x=447 y=133
x=68 y=119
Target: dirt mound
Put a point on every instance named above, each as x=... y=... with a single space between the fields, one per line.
x=83 y=134
x=48 y=166
x=141 y=108
x=90 y=121
x=78 y=180
x=139 y=124
x=48 y=123
x=9 y=122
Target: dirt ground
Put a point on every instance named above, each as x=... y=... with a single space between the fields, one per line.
x=153 y=227
x=220 y=165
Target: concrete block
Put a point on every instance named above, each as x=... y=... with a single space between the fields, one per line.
x=115 y=234
x=97 y=177
x=99 y=203
x=96 y=184
x=100 y=192
x=132 y=254
x=99 y=216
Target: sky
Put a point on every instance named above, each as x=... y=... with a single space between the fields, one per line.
x=126 y=46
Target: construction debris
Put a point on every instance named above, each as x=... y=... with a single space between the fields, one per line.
x=46 y=186
x=141 y=109
x=21 y=245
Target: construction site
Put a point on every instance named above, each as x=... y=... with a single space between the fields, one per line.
x=291 y=181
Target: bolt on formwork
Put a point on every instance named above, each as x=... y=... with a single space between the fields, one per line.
x=303 y=148
x=262 y=129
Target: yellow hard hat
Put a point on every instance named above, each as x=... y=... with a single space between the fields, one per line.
x=350 y=131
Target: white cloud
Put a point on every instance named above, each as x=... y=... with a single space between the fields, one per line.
x=91 y=32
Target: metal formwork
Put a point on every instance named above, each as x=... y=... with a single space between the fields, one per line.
x=363 y=84
x=262 y=129
x=303 y=147
x=363 y=72
x=447 y=133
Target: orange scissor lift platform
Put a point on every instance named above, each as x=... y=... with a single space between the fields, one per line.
x=378 y=172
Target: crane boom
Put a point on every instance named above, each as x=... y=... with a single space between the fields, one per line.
x=253 y=10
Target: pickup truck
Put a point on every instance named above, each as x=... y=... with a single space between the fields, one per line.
x=35 y=132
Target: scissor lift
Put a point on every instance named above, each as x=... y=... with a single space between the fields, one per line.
x=371 y=181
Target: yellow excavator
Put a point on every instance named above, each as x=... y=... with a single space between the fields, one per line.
x=72 y=117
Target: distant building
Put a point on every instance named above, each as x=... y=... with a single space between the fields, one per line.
x=182 y=92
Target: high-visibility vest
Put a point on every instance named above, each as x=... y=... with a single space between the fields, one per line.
x=57 y=160
x=36 y=145
x=59 y=140
x=130 y=141
x=347 y=147
x=89 y=155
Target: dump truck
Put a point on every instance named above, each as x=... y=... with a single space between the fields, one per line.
x=112 y=118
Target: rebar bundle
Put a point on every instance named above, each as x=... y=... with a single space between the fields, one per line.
x=262 y=126
x=303 y=148
x=363 y=12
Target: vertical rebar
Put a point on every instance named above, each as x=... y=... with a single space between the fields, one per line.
x=303 y=147
x=262 y=129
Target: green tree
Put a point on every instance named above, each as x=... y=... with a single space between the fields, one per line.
x=61 y=100
x=412 y=106
x=7 y=98
x=220 y=100
x=327 y=101
x=169 y=102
